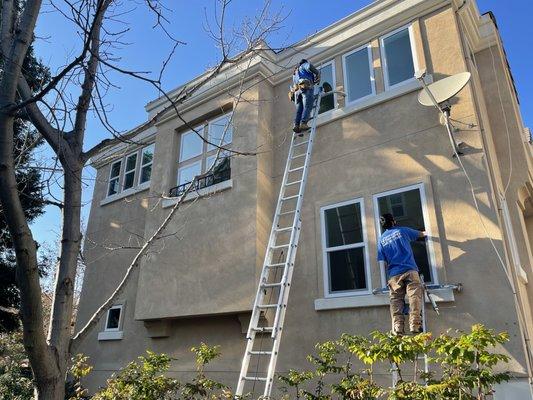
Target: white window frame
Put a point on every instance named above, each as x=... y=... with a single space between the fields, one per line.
x=334 y=88
x=118 y=177
x=182 y=138
x=325 y=249
x=409 y=27
x=368 y=48
x=134 y=170
x=425 y=214
x=152 y=146
x=120 y=317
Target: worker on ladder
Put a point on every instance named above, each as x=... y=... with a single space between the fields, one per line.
x=304 y=78
x=394 y=248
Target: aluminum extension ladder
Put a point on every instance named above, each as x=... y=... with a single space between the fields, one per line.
x=270 y=303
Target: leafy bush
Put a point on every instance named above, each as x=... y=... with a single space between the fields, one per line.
x=15 y=374
x=466 y=363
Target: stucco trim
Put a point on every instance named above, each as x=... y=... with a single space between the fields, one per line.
x=219 y=187
x=373 y=300
x=110 y=335
x=126 y=193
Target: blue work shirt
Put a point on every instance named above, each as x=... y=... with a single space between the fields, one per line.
x=394 y=247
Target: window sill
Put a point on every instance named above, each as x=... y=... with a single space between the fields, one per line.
x=370 y=101
x=125 y=193
x=373 y=300
x=219 y=187
x=110 y=335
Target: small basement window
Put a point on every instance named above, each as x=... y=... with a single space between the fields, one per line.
x=114 y=318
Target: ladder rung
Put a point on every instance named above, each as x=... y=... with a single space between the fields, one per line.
x=287 y=212
x=267 y=306
x=301 y=143
x=298 y=156
x=254 y=378
x=289 y=228
x=277 y=265
x=280 y=246
x=263 y=329
x=293 y=183
x=260 y=353
x=296 y=169
x=290 y=197
x=271 y=285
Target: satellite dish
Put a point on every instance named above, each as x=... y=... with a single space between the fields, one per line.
x=444 y=89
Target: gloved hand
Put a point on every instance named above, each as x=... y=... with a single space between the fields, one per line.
x=317 y=79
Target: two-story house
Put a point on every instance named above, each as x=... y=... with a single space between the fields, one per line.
x=377 y=150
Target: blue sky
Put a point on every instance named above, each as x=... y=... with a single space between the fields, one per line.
x=57 y=42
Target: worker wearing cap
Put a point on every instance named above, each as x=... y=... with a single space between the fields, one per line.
x=394 y=248
x=304 y=78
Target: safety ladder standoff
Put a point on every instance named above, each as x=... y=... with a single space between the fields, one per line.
x=268 y=314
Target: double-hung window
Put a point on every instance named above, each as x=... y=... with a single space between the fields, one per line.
x=358 y=74
x=129 y=171
x=345 y=253
x=408 y=207
x=198 y=149
x=398 y=55
x=147 y=158
x=114 y=178
x=327 y=83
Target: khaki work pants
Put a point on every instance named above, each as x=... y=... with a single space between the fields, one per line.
x=408 y=282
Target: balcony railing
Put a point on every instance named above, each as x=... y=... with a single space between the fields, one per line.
x=220 y=173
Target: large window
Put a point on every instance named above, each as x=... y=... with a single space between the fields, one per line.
x=397 y=52
x=408 y=207
x=327 y=83
x=358 y=74
x=134 y=173
x=197 y=156
x=344 y=249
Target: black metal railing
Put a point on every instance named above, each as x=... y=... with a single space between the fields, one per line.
x=217 y=176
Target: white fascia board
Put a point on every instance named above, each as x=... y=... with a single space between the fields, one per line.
x=480 y=29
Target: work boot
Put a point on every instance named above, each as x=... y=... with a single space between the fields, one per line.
x=296 y=128
x=416 y=330
x=304 y=126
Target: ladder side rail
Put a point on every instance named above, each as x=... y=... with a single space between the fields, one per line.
x=293 y=242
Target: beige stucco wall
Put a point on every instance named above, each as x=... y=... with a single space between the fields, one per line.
x=210 y=269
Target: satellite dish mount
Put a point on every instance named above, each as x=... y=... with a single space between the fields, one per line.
x=438 y=95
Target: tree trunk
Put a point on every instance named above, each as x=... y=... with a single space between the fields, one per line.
x=51 y=389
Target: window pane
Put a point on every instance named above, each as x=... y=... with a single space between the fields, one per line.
x=358 y=74
x=148 y=155
x=209 y=160
x=217 y=129
x=129 y=179
x=191 y=145
x=113 y=318
x=326 y=82
x=409 y=214
x=146 y=173
x=113 y=187
x=343 y=225
x=347 y=269
x=115 y=169
x=130 y=162
x=187 y=174
x=399 y=57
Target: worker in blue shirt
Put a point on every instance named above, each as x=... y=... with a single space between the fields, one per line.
x=304 y=78
x=394 y=248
